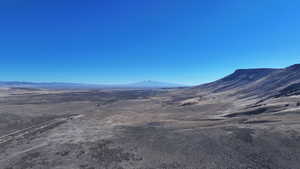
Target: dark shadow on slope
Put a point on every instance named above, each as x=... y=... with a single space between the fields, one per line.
x=248 y=113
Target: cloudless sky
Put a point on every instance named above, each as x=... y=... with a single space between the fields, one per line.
x=122 y=41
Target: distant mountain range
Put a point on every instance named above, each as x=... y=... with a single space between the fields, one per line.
x=155 y=84
x=263 y=82
x=56 y=85
x=260 y=82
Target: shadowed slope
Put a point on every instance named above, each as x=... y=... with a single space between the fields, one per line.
x=257 y=82
x=239 y=79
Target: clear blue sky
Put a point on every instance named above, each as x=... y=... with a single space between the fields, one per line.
x=121 y=41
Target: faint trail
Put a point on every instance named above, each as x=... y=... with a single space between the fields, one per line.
x=35 y=129
x=23 y=152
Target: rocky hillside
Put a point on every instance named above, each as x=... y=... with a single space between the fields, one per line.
x=258 y=82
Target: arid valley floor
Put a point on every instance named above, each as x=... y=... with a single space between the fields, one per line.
x=234 y=123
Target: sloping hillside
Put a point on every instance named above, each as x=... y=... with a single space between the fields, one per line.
x=237 y=80
x=257 y=82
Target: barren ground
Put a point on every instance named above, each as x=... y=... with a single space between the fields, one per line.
x=146 y=129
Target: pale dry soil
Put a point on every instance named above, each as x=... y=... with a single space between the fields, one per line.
x=147 y=129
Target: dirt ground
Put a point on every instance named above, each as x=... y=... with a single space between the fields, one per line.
x=147 y=129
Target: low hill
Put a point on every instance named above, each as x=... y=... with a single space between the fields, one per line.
x=262 y=82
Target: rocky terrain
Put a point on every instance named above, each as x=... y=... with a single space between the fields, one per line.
x=247 y=120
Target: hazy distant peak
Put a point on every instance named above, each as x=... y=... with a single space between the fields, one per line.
x=155 y=84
